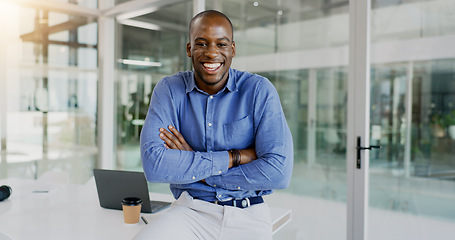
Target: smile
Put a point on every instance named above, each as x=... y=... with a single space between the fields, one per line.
x=211 y=66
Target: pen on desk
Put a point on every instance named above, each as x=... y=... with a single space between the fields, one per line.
x=143 y=219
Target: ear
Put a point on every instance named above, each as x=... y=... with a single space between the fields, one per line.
x=188 y=49
x=233 y=49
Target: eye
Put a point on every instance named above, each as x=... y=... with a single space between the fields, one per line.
x=222 y=44
x=201 y=44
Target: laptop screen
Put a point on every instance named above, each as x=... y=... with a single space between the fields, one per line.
x=115 y=185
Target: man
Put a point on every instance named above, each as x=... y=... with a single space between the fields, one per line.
x=220 y=138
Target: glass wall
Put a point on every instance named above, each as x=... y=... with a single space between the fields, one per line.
x=412 y=111
x=155 y=54
x=49 y=112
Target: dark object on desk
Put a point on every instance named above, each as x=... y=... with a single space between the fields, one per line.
x=145 y=220
x=114 y=185
x=5 y=192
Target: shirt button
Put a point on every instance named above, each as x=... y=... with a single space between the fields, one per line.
x=211 y=97
x=219 y=196
x=214 y=185
x=210 y=124
x=194 y=177
x=219 y=172
x=238 y=187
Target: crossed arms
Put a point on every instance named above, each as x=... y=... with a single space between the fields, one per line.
x=174 y=140
x=266 y=162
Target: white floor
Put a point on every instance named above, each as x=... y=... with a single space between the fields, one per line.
x=315 y=218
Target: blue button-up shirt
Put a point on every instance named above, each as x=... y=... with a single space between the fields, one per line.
x=246 y=113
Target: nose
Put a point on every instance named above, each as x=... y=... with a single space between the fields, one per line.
x=212 y=51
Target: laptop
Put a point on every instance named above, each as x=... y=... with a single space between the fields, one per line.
x=114 y=185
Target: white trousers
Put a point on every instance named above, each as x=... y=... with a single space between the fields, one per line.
x=190 y=218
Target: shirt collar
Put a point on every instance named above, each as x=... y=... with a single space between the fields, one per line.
x=231 y=84
x=191 y=83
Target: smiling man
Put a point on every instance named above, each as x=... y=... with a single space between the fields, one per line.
x=220 y=138
x=211 y=49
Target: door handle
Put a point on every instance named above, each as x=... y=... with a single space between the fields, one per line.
x=360 y=148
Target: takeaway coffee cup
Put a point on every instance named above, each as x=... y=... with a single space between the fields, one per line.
x=131 y=209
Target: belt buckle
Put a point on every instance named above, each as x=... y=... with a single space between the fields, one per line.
x=246 y=202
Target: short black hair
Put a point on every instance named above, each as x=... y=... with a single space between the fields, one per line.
x=210 y=13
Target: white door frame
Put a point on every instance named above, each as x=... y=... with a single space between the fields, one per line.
x=106 y=122
x=358 y=118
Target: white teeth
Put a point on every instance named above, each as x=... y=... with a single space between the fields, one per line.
x=212 y=66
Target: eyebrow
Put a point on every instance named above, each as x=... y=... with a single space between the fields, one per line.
x=219 y=39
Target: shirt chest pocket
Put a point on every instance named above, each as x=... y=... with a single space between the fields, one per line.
x=239 y=134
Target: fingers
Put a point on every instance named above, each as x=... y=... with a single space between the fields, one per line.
x=170 y=140
x=180 y=138
x=173 y=139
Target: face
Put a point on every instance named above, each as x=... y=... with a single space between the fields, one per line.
x=211 y=49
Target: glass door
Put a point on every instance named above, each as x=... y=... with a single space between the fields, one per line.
x=412 y=178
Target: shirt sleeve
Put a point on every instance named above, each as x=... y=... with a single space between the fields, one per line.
x=273 y=145
x=170 y=165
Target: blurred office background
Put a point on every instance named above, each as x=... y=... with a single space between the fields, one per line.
x=76 y=78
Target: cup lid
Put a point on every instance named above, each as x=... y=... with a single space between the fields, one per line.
x=131 y=201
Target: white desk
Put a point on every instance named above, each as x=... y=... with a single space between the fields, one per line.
x=73 y=212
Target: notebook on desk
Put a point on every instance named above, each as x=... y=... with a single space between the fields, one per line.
x=114 y=185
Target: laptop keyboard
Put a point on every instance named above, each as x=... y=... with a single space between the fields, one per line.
x=158 y=205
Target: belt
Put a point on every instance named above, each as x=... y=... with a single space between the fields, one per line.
x=241 y=203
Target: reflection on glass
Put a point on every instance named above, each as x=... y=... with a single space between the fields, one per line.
x=166 y=49
x=83 y=3
x=331 y=123
x=412 y=177
x=320 y=151
x=52 y=98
